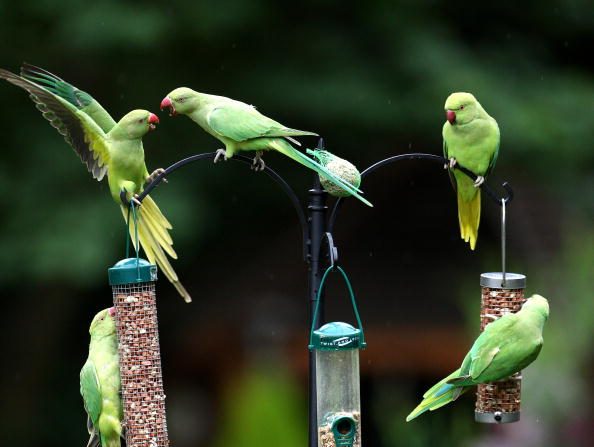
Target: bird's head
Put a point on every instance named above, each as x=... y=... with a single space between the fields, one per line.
x=182 y=100
x=538 y=304
x=461 y=108
x=103 y=324
x=138 y=123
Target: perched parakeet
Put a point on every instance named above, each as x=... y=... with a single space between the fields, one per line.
x=471 y=138
x=506 y=346
x=106 y=147
x=100 y=383
x=240 y=127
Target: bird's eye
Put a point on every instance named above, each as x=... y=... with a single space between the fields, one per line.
x=140 y=121
x=461 y=107
x=181 y=99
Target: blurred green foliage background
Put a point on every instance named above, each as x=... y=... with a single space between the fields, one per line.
x=371 y=77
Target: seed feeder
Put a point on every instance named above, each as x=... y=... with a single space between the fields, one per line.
x=133 y=286
x=501 y=293
x=336 y=347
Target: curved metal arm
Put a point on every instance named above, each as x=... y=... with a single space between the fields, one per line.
x=435 y=158
x=243 y=159
x=332 y=249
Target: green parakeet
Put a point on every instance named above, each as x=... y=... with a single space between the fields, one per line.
x=100 y=383
x=471 y=138
x=240 y=127
x=506 y=346
x=106 y=147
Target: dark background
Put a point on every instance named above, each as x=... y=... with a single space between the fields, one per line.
x=372 y=78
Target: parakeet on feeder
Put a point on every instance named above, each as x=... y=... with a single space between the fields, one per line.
x=106 y=147
x=341 y=168
x=100 y=383
x=505 y=347
x=240 y=127
x=471 y=138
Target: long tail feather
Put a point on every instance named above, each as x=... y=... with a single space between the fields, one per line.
x=440 y=394
x=469 y=217
x=288 y=150
x=156 y=241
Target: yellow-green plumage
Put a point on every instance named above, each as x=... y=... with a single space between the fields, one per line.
x=240 y=127
x=100 y=383
x=505 y=347
x=472 y=139
x=105 y=147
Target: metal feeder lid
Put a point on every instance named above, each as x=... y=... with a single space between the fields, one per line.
x=336 y=336
x=132 y=270
x=494 y=280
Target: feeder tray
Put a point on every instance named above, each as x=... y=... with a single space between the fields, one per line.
x=501 y=294
x=134 y=297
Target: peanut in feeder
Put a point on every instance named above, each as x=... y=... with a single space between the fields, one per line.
x=336 y=347
x=499 y=402
x=133 y=286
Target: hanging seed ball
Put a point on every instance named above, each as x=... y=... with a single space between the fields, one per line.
x=340 y=167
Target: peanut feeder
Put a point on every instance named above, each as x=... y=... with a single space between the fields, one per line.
x=143 y=398
x=499 y=402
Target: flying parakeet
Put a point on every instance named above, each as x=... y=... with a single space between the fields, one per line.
x=106 y=147
x=471 y=138
x=100 y=383
x=240 y=127
x=506 y=346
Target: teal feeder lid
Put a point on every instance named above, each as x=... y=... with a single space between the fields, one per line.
x=336 y=336
x=132 y=270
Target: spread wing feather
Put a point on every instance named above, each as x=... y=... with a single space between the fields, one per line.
x=79 y=131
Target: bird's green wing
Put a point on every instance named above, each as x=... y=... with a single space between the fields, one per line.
x=493 y=161
x=490 y=343
x=78 y=98
x=90 y=389
x=241 y=123
x=450 y=171
x=78 y=129
x=445 y=149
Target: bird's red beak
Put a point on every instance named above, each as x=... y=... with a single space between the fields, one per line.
x=167 y=103
x=451 y=116
x=153 y=119
x=111 y=311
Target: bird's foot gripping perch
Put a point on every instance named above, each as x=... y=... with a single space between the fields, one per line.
x=258 y=163
x=479 y=181
x=220 y=153
x=136 y=199
x=451 y=164
x=156 y=173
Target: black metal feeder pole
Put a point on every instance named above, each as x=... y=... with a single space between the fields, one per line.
x=317 y=230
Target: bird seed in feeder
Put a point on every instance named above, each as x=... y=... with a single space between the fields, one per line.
x=499 y=402
x=140 y=365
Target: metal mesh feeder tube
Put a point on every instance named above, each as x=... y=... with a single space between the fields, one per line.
x=143 y=397
x=336 y=346
x=499 y=402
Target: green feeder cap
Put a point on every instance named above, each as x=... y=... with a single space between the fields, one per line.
x=336 y=336
x=132 y=270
